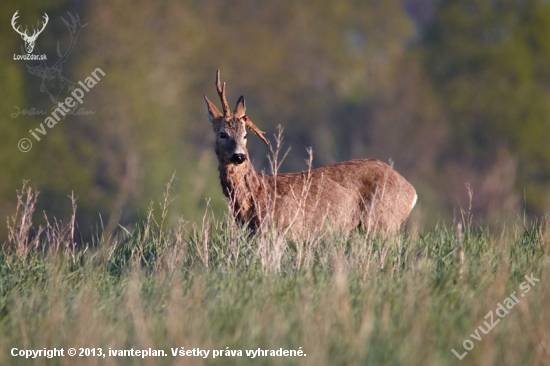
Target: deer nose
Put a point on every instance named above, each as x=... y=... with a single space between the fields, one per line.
x=238 y=158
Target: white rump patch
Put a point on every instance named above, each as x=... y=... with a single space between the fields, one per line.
x=414 y=201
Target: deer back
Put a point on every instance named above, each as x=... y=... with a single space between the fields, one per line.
x=346 y=195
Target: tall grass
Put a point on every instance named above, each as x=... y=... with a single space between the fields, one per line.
x=344 y=299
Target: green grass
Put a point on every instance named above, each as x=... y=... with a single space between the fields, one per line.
x=345 y=300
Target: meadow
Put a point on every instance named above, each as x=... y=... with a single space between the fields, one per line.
x=340 y=299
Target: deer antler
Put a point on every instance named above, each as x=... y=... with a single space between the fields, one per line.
x=221 y=93
x=37 y=32
x=13 y=19
x=255 y=129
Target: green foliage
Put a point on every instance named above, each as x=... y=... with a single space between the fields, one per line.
x=490 y=60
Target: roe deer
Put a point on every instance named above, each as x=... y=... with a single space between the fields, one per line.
x=362 y=192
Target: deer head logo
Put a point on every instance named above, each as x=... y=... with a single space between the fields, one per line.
x=29 y=40
x=53 y=82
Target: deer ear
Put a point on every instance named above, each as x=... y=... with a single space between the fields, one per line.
x=240 y=109
x=211 y=111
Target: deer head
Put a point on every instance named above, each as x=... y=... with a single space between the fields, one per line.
x=230 y=128
x=29 y=40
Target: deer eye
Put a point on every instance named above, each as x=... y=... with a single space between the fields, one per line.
x=223 y=135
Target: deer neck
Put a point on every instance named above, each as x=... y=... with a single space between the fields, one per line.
x=243 y=188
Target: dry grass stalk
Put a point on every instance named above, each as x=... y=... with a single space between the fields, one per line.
x=459 y=239
x=20 y=224
x=164 y=209
x=70 y=246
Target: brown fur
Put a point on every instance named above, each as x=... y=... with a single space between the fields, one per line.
x=363 y=192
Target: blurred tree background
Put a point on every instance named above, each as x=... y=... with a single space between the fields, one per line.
x=452 y=91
